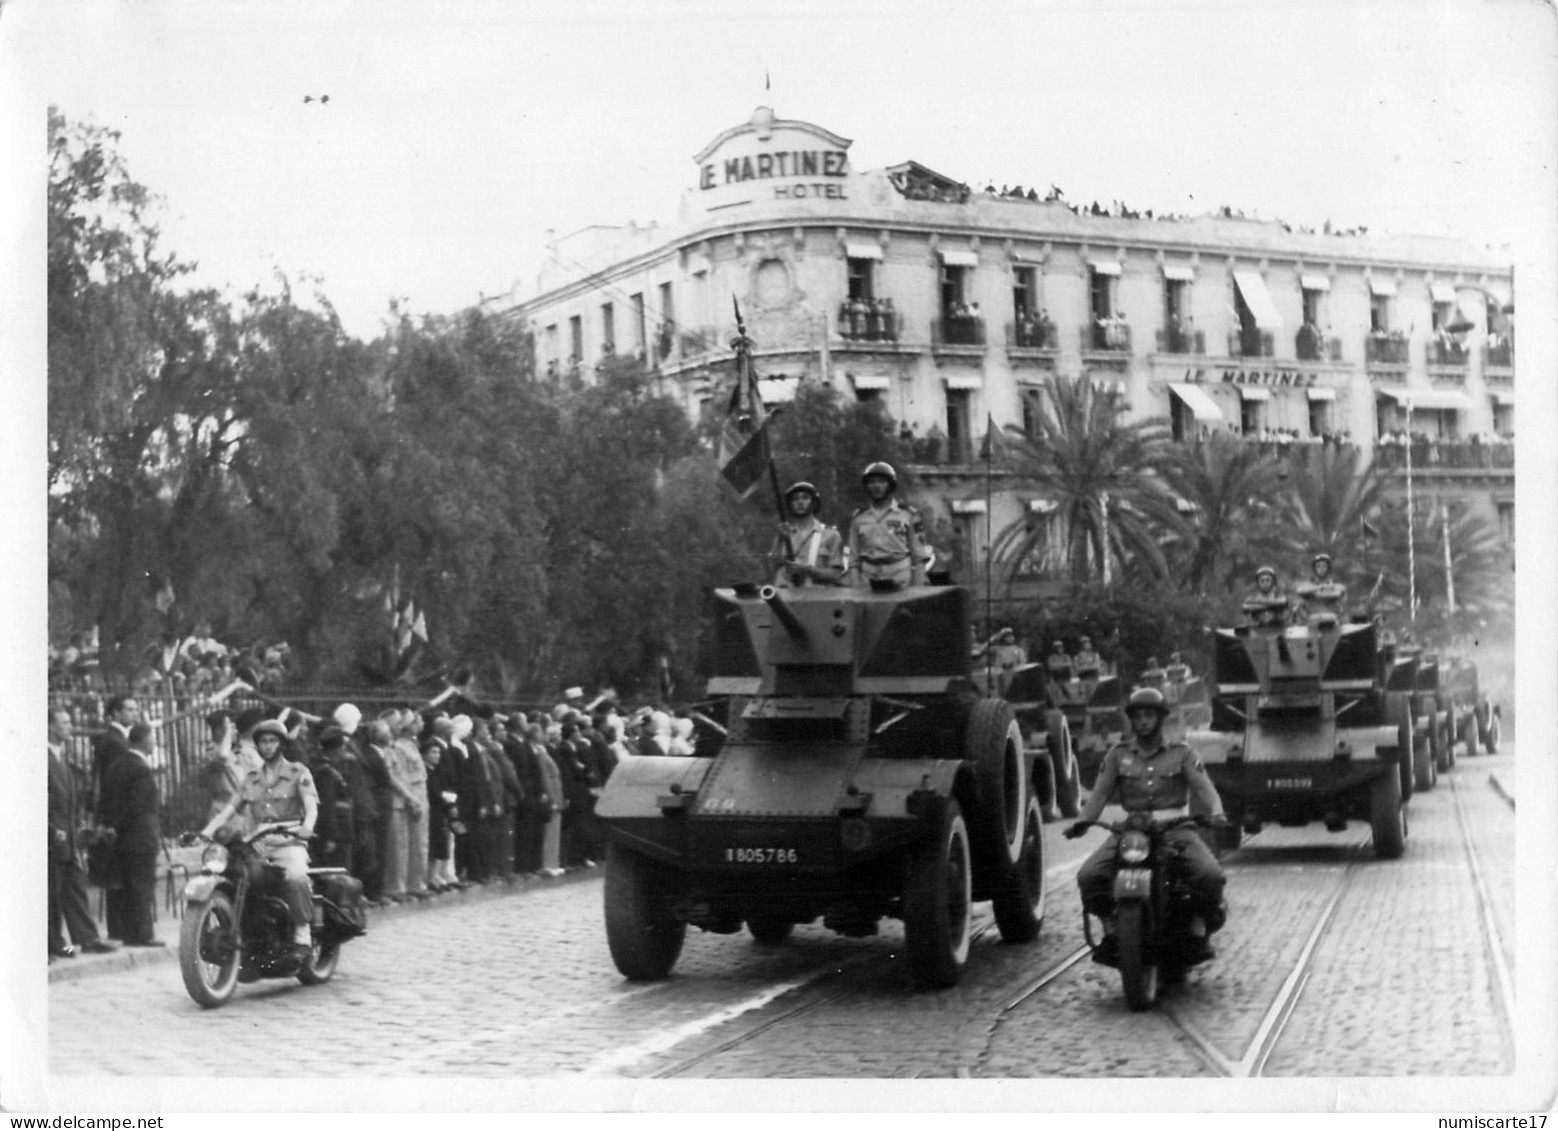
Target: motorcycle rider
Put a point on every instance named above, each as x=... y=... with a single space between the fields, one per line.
x=280 y=790
x=1148 y=774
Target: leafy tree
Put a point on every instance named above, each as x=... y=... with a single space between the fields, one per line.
x=1235 y=496
x=1100 y=472
x=1333 y=496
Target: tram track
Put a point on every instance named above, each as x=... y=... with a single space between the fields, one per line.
x=1493 y=939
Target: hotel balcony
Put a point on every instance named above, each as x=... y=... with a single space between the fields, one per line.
x=1175 y=339
x=1447 y=359
x=1434 y=457
x=958 y=334
x=1251 y=343
x=1498 y=362
x=1028 y=340
x=869 y=322
x=1385 y=350
x=1311 y=345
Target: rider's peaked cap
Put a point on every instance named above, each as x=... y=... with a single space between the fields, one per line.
x=330 y=737
x=880 y=467
x=811 y=488
x=1147 y=699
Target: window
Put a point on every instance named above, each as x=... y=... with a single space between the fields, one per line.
x=954 y=288
x=667 y=323
x=1506 y=523
x=959 y=442
x=1176 y=306
x=1319 y=417
x=1250 y=416
x=1101 y=295
x=640 y=326
x=966 y=533
x=608 y=328
x=575 y=340
x=1443 y=314
x=1024 y=293
x=1379 y=314
x=553 y=358
x=1504 y=419
x=1031 y=411
x=1313 y=307
x=862 y=277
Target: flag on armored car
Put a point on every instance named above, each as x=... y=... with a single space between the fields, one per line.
x=743 y=450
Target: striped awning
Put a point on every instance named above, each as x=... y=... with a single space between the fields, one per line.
x=1258 y=299
x=871 y=382
x=1321 y=393
x=1254 y=393
x=1195 y=399
x=958 y=257
x=1433 y=400
x=1314 y=282
x=966 y=381
x=863 y=250
x=1382 y=286
x=1105 y=266
x=1180 y=272
x=1442 y=292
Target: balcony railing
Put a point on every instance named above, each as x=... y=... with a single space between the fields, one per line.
x=1498 y=355
x=1437 y=455
x=1251 y=343
x=1106 y=335
x=1447 y=351
x=1029 y=334
x=873 y=321
x=1311 y=345
x=1176 y=339
x=1385 y=349
x=958 y=330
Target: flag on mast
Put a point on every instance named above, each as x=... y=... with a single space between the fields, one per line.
x=744 y=453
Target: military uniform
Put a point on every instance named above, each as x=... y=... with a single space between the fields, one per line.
x=817 y=544
x=264 y=802
x=1162 y=778
x=887 y=544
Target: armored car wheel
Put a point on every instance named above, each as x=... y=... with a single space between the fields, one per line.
x=1386 y=817
x=1019 y=903
x=208 y=951
x=768 y=931
x=1425 y=771
x=1444 y=740
x=1068 y=779
x=1138 y=970
x=1398 y=714
x=1469 y=728
x=994 y=744
x=320 y=965
x=937 y=893
x=1492 y=733
x=644 y=937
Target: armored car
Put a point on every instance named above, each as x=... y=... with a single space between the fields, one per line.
x=859 y=777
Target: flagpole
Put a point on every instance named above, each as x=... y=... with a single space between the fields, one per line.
x=1411 y=527
x=1449 y=573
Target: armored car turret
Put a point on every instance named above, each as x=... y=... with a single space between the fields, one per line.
x=859 y=777
x=1303 y=728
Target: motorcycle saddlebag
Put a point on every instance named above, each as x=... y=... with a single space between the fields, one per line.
x=346 y=913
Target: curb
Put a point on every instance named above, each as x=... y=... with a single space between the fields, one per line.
x=1503 y=791
x=130 y=958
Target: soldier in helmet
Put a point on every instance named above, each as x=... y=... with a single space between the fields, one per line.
x=1322 y=592
x=1177 y=671
x=1153 y=675
x=1149 y=774
x=806 y=551
x=1266 y=603
x=886 y=538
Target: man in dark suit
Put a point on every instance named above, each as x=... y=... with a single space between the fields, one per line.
x=67 y=881
x=130 y=805
x=120 y=713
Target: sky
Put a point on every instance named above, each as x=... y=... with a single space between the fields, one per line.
x=457 y=135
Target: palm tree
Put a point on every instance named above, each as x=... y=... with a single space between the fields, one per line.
x=1333 y=499
x=1098 y=472
x=1232 y=496
x=1481 y=570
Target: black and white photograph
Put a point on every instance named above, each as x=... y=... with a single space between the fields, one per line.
x=855 y=558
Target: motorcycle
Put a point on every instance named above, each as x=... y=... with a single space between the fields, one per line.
x=237 y=928
x=1154 y=942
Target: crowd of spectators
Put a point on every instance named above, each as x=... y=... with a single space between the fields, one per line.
x=192 y=665
x=868 y=319
x=419 y=801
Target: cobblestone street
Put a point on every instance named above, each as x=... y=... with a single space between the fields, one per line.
x=1398 y=983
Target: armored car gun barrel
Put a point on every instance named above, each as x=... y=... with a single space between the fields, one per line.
x=859 y=777
x=1303 y=730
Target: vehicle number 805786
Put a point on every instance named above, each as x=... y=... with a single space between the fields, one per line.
x=762 y=856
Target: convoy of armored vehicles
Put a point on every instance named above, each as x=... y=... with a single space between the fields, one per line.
x=856 y=771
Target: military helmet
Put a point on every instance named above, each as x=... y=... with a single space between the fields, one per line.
x=1322 y=556
x=270 y=726
x=802 y=485
x=1147 y=699
x=885 y=470
x=1266 y=569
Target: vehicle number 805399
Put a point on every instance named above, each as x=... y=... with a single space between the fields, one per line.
x=762 y=856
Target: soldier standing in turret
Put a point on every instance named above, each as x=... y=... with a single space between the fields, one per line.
x=886 y=538
x=807 y=551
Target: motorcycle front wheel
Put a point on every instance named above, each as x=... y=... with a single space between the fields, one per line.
x=208 y=951
x=1138 y=971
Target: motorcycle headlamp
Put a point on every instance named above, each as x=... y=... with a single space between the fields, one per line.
x=1134 y=847
x=213 y=860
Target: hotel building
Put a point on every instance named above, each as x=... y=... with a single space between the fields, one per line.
x=953 y=306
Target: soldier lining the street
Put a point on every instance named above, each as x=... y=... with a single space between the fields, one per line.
x=806 y=550
x=1149 y=774
x=886 y=538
